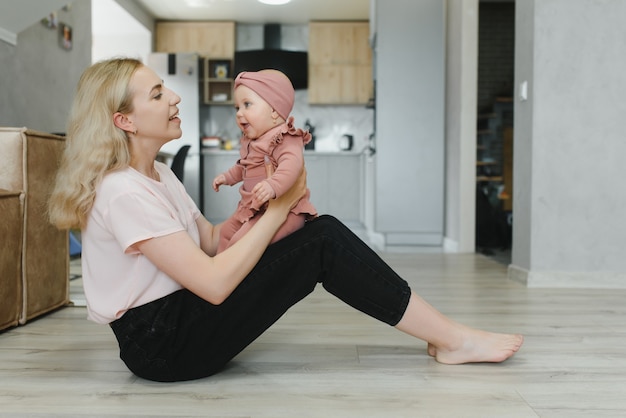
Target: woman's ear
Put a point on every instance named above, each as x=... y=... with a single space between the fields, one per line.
x=121 y=121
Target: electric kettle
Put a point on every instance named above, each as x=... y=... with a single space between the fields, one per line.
x=346 y=142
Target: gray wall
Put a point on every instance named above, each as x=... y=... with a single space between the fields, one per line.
x=39 y=77
x=569 y=144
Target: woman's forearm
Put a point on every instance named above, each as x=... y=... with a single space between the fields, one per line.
x=231 y=266
x=212 y=278
x=239 y=259
x=209 y=235
x=215 y=278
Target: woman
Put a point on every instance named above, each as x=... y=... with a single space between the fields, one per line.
x=150 y=268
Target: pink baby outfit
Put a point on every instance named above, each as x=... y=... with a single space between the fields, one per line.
x=284 y=146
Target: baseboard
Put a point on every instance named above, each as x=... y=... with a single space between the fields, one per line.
x=567 y=280
x=450 y=245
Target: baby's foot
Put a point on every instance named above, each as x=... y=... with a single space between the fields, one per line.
x=479 y=346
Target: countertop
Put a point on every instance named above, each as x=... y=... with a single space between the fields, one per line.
x=307 y=153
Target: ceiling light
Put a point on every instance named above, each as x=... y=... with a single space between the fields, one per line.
x=274 y=2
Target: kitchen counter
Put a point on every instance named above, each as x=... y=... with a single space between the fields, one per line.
x=307 y=153
x=334 y=178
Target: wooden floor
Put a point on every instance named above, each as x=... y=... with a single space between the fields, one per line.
x=323 y=359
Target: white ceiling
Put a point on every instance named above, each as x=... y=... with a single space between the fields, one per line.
x=251 y=11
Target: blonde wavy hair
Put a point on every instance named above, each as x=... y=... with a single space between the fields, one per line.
x=94 y=145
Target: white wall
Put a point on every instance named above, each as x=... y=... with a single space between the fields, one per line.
x=461 y=93
x=569 y=169
x=117 y=33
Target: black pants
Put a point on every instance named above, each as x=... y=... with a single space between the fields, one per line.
x=183 y=337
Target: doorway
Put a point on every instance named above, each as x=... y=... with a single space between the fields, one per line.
x=494 y=129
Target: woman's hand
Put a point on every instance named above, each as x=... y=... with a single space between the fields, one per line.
x=289 y=200
x=215 y=278
x=263 y=192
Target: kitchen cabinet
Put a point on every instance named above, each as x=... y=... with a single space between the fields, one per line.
x=214 y=42
x=208 y=39
x=216 y=82
x=336 y=183
x=340 y=63
x=334 y=178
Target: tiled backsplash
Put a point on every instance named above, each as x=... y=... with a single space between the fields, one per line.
x=330 y=122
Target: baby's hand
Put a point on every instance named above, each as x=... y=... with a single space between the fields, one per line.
x=263 y=192
x=218 y=181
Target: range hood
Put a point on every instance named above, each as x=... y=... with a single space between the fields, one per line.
x=293 y=63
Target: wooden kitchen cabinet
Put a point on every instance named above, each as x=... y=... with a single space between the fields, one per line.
x=208 y=39
x=216 y=82
x=340 y=63
x=214 y=42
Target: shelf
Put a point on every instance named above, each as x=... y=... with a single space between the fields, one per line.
x=217 y=81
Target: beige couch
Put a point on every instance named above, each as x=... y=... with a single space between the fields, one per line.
x=40 y=252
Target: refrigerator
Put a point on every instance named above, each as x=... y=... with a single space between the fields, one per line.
x=180 y=73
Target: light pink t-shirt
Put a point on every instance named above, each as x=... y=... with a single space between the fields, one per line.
x=130 y=207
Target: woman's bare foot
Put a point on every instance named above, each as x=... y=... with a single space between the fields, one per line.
x=452 y=343
x=432 y=350
x=478 y=346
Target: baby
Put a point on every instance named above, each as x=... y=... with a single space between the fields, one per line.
x=271 y=154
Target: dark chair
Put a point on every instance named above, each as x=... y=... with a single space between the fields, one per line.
x=76 y=247
x=178 y=162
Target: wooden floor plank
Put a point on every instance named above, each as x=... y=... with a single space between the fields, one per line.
x=323 y=359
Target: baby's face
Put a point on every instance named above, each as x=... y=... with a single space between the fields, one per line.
x=254 y=115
